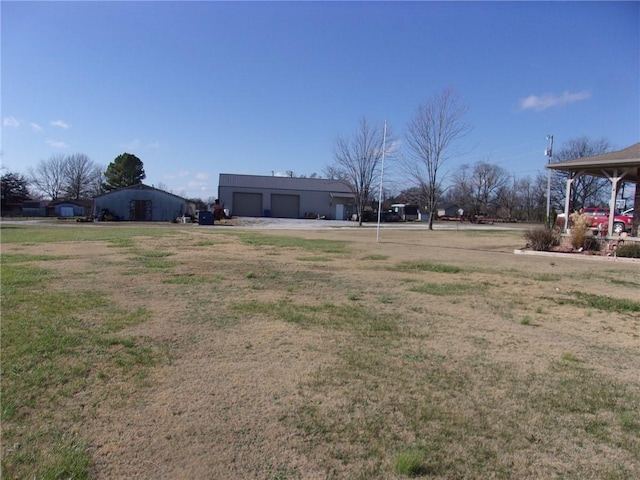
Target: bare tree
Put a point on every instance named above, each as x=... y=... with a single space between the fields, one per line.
x=508 y=198
x=539 y=197
x=163 y=186
x=357 y=161
x=96 y=183
x=487 y=180
x=411 y=195
x=460 y=191
x=431 y=138
x=82 y=176
x=520 y=198
x=586 y=190
x=49 y=176
x=530 y=195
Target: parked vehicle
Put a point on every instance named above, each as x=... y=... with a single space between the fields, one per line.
x=369 y=215
x=390 y=216
x=407 y=213
x=600 y=216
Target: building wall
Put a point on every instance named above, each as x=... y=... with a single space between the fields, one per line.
x=286 y=197
x=34 y=209
x=165 y=207
x=69 y=210
x=311 y=203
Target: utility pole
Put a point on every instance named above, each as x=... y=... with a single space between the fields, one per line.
x=549 y=153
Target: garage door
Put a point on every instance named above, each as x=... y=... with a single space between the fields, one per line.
x=66 y=211
x=285 y=206
x=140 y=210
x=247 y=204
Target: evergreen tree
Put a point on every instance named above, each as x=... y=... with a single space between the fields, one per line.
x=15 y=190
x=124 y=171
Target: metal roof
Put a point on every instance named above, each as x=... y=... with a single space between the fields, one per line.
x=140 y=186
x=626 y=161
x=283 y=183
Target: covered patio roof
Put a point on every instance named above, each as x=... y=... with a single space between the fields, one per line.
x=623 y=162
x=616 y=166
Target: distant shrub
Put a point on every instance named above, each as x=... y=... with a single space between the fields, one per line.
x=542 y=239
x=579 y=230
x=593 y=243
x=526 y=320
x=631 y=250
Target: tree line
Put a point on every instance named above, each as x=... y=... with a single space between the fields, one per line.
x=70 y=177
x=431 y=139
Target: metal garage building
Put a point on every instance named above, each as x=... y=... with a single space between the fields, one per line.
x=142 y=203
x=69 y=208
x=285 y=197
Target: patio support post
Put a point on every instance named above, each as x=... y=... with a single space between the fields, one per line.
x=612 y=201
x=636 y=212
x=567 y=200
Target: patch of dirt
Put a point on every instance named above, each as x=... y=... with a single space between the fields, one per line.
x=213 y=413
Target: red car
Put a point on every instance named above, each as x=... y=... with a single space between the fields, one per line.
x=598 y=216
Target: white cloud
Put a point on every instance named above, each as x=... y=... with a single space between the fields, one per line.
x=393 y=146
x=59 y=123
x=173 y=176
x=131 y=145
x=35 y=127
x=202 y=176
x=10 y=122
x=56 y=144
x=154 y=145
x=548 y=100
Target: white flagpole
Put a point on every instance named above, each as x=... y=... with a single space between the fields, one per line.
x=384 y=149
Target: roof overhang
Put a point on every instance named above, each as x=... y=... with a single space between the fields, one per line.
x=623 y=163
x=342 y=195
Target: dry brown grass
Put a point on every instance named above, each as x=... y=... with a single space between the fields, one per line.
x=579 y=230
x=323 y=354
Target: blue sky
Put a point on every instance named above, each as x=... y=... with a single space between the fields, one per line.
x=195 y=89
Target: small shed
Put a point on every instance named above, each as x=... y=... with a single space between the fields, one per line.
x=70 y=208
x=450 y=211
x=142 y=203
x=34 y=208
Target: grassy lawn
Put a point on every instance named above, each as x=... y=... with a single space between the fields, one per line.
x=174 y=352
